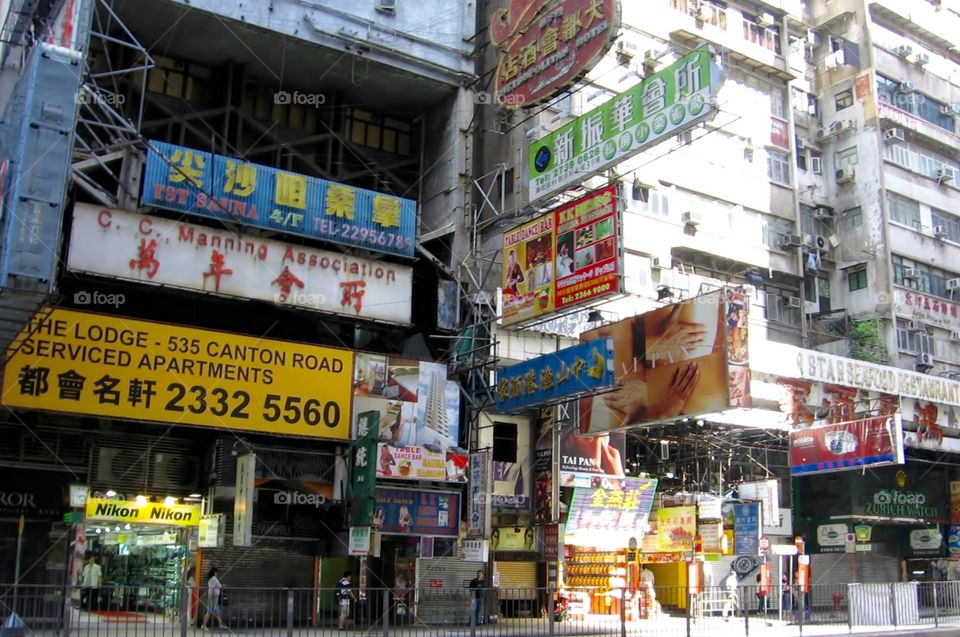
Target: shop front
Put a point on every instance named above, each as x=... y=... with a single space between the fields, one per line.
x=144 y=546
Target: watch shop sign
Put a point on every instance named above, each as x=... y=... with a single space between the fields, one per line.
x=160 y=251
x=547 y=45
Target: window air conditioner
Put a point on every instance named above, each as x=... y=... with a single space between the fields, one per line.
x=765 y=20
x=823 y=213
x=907 y=87
x=925 y=360
x=915 y=326
x=921 y=59
x=953 y=284
x=894 y=135
x=955 y=336
x=386 y=6
x=795 y=301
x=624 y=54
x=691 y=218
x=940 y=232
x=655 y=264
x=904 y=50
x=845 y=175
x=911 y=273
x=946 y=174
x=791 y=241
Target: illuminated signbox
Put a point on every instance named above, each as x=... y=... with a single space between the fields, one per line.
x=609 y=515
x=116 y=367
x=554 y=377
x=201 y=183
x=671 y=100
x=546 y=45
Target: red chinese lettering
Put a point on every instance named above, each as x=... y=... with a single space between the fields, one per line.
x=286 y=281
x=217 y=270
x=841 y=406
x=926 y=417
x=146 y=258
x=353 y=294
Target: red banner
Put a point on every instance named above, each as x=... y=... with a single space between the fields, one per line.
x=849 y=445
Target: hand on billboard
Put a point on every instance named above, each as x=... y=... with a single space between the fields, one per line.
x=674 y=399
x=628 y=401
x=669 y=340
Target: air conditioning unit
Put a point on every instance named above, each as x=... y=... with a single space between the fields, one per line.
x=940 y=232
x=907 y=87
x=915 y=326
x=823 y=213
x=904 y=50
x=765 y=20
x=953 y=284
x=845 y=175
x=846 y=125
x=691 y=218
x=655 y=264
x=813 y=38
x=822 y=133
x=925 y=360
x=946 y=174
x=795 y=301
x=702 y=14
x=921 y=59
x=624 y=54
x=822 y=243
x=791 y=241
x=650 y=61
x=911 y=273
x=800 y=143
x=892 y=135
x=955 y=336
x=386 y=6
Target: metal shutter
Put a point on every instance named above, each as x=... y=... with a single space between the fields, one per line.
x=831 y=572
x=442 y=593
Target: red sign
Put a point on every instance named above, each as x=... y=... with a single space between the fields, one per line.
x=547 y=45
x=587 y=248
x=849 y=445
x=778 y=133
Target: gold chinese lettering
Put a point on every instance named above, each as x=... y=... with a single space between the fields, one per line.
x=291 y=190
x=341 y=201
x=241 y=178
x=386 y=211
x=185 y=166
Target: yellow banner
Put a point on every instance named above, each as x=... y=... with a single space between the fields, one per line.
x=676 y=527
x=146 y=513
x=121 y=368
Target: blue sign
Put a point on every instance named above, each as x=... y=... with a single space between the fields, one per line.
x=201 y=183
x=555 y=377
x=746 y=529
x=409 y=512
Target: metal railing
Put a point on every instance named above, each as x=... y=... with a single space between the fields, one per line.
x=123 y=611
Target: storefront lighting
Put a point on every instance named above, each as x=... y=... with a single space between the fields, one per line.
x=117 y=529
x=111 y=493
x=195 y=495
x=169 y=501
x=141 y=499
x=99 y=530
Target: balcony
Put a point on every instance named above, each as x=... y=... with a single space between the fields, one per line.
x=748 y=44
x=902 y=119
x=922 y=19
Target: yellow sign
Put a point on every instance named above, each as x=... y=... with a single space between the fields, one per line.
x=676 y=527
x=121 y=368
x=146 y=513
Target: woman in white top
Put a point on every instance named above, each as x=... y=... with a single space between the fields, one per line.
x=214 y=587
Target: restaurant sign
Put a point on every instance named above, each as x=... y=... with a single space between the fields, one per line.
x=546 y=45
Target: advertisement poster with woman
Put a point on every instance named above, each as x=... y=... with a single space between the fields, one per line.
x=679 y=360
x=528 y=270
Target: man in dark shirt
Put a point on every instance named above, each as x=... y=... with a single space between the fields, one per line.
x=478 y=585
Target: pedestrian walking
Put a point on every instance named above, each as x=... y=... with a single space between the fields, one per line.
x=730 y=584
x=477 y=584
x=344 y=596
x=91 y=579
x=214 y=591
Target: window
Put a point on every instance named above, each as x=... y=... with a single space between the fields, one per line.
x=950 y=224
x=843 y=99
x=851 y=219
x=802 y=162
x=748 y=155
x=767 y=37
x=856 y=279
x=913 y=340
x=922 y=106
x=921 y=277
x=918 y=159
x=845 y=157
x=816 y=162
x=657 y=203
x=903 y=210
x=504 y=441
x=778 y=167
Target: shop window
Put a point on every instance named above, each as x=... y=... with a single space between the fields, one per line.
x=504 y=441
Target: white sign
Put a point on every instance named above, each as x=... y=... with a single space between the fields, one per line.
x=159 y=251
x=928 y=308
x=243 y=500
x=78 y=496
x=784 y=549
x=767 y=492
x=832 y=534
x=474 y=551
x=925 y=539
x=359 y=540
x=161 y=539
x=709 y=508
x=212 y=531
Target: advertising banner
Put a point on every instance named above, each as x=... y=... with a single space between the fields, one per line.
x=746 y=528
x=212 y=532
x=510 y=538
x=676 y=528
x=474 y=551
x=364 y=477
x=158 y=251
x=409 y=512
x=112 y=366
x=37 y=495
x=591 y=461
x=554 y=377
x=243 y=500
x=711 y=534
x=109 y=510
x=478 y=503
x=849 y=445
x=567 y=257
x=897 y=493
x=831 y=538
x=673 y=99
x=547 y=45
x=677 y=361
x=923 y=542
x=201 y=183
x=599 y=515
x=420 y=463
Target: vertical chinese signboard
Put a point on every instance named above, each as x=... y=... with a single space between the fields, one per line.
x=243 y=500
x=546 y=45
x=209 y=185
x=567 y=257
x=671 y=100
x=364 y=468
x=478 y=502
x=746 y=528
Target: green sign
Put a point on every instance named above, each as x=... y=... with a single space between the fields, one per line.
x=364 y=468
x=671 y=100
